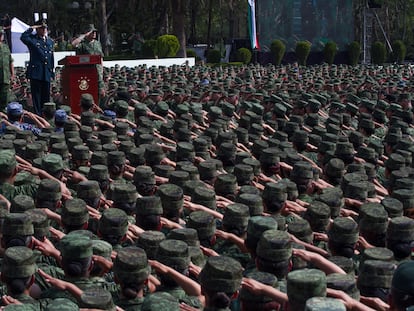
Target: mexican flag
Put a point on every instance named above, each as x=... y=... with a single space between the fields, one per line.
x=251 y=15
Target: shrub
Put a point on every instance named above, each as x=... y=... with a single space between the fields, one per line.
x=329 y=52
x=302 y=51
x=191 y=53
x=278 y=49
x=213 y=56
x=354 y=52
x=244 y=55
x=148 y=48
x=167 y=46
x=378 y=53
x=399 y=50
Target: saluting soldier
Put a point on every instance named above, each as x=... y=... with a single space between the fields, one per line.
x=6 y=71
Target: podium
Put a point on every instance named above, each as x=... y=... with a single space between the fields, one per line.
x=79 y=75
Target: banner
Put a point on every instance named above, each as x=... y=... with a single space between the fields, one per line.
x=17 y=28
x=251 y=15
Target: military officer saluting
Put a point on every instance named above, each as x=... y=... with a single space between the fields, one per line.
x=41 y=63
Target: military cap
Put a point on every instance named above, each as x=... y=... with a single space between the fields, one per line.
x=377 y=253
x=89 y=190
x=75 y=212
x=174 y=253
x=62 y=304
x=274 y=245
x=48 y=190
x=318 y=215
x=204 y=196
x=402 y=279
x=395 y=161
x=99 y=157
x=405 y=196
x=123 y=193
x=107 y=136
x=236 y=214
x=136 y=156
x=17 y=224
x=256 y=226
x=40 y=222
x=116 y=158
x=148 y=205
x=178 y=177
x=304 y=284
x=80 y=152
x=98 y=172
x=102 y=248
x=86 y=100
x=301 y=170
x=221 y=274
x=113 y=221
x=225 y=184
x=203 y=222
x=343 y=230
x=344 y=282
x=7 y=161
x=375 y=273
x=131 y=265
x=301 y=229
x=207 y=170
x=160 y=301
x=401 y=229
x=335 y=168
x=75 y=246
x=324 y=304
x=144 y=175
x=52 y=163
x=153 y=154
x=34 y=150
x=21 y=203
x=97 y=298
x=264 y=278
x=393 y=207
x=150 y=241
x=189 y=236
x=373 y=218
x=253 y=201
x=171 y=196
x=18 y=262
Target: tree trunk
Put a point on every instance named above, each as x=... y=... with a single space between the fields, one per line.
x=179 y=9
x=104 y=27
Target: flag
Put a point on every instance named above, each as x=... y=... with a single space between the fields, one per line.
x=252 y=24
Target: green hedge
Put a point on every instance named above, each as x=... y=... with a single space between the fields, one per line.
x=302 y=51
x=213 y=56
x=378 y=53
x=329 y=52
x=399 y=51
x=244 y=55
x=167 y=46
x=278 y=49
x=354 y=52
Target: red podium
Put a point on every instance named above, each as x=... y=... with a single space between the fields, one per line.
x=79 y=76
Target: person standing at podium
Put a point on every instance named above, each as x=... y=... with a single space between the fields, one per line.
x=40 y=70
x=88 y=43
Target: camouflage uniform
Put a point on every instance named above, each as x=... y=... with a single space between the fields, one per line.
x=5 y=74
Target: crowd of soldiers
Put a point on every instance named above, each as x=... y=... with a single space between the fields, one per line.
x=212 y=188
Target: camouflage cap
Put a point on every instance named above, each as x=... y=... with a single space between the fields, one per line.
x=17 y=224
x=123 y=193
x=114 y=222
x=149 y=205
x=274 y=245
x=178 y=177
x=21 y=203
x=304 y=284
x=344 y=282
x=62 y=304
x=275 y=192
x=52 y=163
x=405 y=196
x=174 y=253
x=395 y=161
x=144 y=175
x=204 y=196
x=172 y=196
x=324 y=304
x=74 y=212
x=188 y=235
x=49 y=190
x=7 y=161
x=401 y=229
x=377 y=253
x=207 y=170
x=253 y=201
x=256 y=226
x=150 y=241
x=97 y=298
x=225 y=184
x=102 y=248
x=301 y=229
x=160 y=301
x=375 y=273
x=221 y=274
x=75 y=246
x=131 y=265
x=345 y=263
x=203 y=222
x=18 y=262
x=236 y=214
x=88 y=190
x=373 y=218
x=318 y=214
x=343 y=230
x=40 y=222
x=116 y=158
x=393 y=207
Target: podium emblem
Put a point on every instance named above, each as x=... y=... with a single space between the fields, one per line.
x=83 y=83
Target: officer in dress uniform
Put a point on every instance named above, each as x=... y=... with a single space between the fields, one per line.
x=41 y=64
